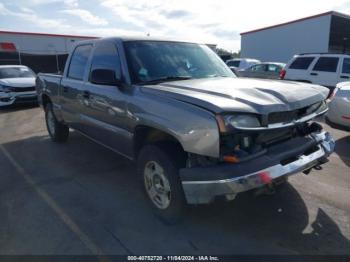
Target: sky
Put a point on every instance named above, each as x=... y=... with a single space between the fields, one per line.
x=207 y=21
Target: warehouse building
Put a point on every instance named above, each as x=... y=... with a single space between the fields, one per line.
x=326 y=32
x=41 y=52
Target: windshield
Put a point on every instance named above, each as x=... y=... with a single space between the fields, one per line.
x=167 y=61
x=16 y=72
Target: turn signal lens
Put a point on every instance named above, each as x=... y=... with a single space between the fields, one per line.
x=231 y=159
x=221 y=123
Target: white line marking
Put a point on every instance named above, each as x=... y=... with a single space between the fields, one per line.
x=57 y=209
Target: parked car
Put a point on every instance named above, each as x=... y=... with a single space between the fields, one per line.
x=269 y=70
x=235 y=70
x=17 y=85
x=195 y=130
x=338 y=115
x=242 y=63
x=323 y=69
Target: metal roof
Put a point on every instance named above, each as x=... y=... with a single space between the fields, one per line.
x=298 y=20
x=45 y=34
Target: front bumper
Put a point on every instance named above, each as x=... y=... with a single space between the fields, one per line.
x=9 y=98
x=202 y=184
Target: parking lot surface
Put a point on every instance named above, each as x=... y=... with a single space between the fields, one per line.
x=81 y=198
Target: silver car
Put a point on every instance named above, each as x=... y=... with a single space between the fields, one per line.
x=339 y=108
x=17 y=85
x=269 y=70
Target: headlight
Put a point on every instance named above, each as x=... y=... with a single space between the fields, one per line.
x=317 y=108
x=228 y=122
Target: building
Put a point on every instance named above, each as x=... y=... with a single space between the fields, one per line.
x=326 y=32
x=41 y=52
x=46 y=53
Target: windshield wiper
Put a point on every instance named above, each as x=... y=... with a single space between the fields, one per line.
x=165 y=79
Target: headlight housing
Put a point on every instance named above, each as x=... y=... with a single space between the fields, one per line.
x=317 y=108
x=239 y=121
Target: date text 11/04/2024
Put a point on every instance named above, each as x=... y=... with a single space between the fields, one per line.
x=173 y=258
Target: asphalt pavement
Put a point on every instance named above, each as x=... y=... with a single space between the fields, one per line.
x=81 y=198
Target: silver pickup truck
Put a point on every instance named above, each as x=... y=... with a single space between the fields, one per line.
x=196 y=131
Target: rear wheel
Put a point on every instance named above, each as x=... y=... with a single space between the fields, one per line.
x=58 y=132
x=159 y=173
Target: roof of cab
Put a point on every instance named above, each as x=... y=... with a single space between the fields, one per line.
x=136 y=38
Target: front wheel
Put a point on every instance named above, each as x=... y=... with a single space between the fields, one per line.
x=58 y=132
x=159 y=173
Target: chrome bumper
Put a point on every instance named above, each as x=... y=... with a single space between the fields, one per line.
x=201 y=192
x=9 y=98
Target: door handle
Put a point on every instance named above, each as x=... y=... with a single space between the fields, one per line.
x=314 y=74
x=346 y=77
x=86 y=94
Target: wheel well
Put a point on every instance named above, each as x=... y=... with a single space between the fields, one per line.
x=45 y=100
x=145 y=135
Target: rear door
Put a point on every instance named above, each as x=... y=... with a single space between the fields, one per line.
x=73 y=97
x=257 y=71
x=272 y=71
x=298 y=69
x=325 y=71
x=107 y=114
x=345 y=70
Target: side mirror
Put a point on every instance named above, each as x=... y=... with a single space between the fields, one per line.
x=104 y=77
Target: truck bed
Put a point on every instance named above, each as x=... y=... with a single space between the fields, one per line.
x=50 y=83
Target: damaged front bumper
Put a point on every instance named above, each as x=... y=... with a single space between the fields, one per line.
x=202 y=184
x=9 y=98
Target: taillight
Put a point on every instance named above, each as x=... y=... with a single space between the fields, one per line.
x=282 y=74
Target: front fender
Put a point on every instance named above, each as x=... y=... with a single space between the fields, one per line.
x=195 y=128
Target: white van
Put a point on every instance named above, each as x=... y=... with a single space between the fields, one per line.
x=323 y=68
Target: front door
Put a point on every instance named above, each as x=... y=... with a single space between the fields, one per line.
x=107 y=109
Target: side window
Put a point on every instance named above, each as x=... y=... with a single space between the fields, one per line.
x=346 y=66
x=302 y=63
x=106 y=57
x=257 y=68
x=234 y=63
x=273 y=68
x=79 y=61
x=326 y=64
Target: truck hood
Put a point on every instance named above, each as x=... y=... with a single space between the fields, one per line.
x=225 y=94
x=18 y=82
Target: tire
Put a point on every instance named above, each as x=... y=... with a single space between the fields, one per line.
x=58 y=132
x=166 y=175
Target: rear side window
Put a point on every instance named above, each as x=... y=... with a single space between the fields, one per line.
x=326 y=64
x=258 y=68
x=234 y=63
x=106 y=57
x=346 y=66
x=302 y=63
x=273 y=68
x=78 y=62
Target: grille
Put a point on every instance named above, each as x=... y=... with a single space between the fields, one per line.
x=22 y=89
x=281 y=117
x=287 y=116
